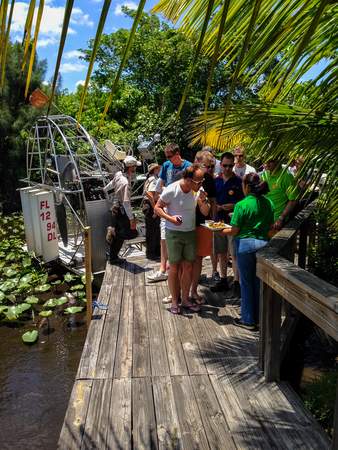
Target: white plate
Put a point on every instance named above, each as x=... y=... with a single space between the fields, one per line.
x=207 y=225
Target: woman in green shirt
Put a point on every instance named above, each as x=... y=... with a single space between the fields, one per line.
x=250 y=224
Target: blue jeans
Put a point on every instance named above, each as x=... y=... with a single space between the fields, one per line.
x=246 y=260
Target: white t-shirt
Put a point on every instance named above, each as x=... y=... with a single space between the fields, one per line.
x=241 y=171
x=181 y=204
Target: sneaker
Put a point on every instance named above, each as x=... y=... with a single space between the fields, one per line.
x=222 y=285
x=110 y=235
x=236 y=289
x=157 y=276
x=215 y=277
x=239 y=323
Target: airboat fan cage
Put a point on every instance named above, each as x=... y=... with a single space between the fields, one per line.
x=63 y=158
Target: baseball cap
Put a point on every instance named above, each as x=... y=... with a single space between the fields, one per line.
x=130 y=161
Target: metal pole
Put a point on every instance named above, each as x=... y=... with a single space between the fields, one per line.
x=88 y=268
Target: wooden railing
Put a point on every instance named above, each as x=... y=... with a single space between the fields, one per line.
x=287 y=289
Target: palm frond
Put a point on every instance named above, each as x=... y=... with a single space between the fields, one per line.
x=196 y=56
x=4 y=46
x=96 y=44
x=35 y=41
x=123 y=60
x=27 y=34
x=65 y=25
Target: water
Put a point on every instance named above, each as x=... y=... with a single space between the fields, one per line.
x=35 y=384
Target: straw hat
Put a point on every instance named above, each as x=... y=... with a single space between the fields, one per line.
x=152 y=167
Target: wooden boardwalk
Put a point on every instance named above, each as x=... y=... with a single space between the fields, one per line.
x=151 y=380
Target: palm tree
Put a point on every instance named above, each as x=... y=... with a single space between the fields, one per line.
x=272 y=44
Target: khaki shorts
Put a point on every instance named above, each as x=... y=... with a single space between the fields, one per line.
x=162 y=226
x=222 y=244
x=181 y=246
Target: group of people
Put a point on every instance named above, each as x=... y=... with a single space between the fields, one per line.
x=180 y=196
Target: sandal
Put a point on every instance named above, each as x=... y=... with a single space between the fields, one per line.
x=175 y=310
x=191 y=307
x=198 y=300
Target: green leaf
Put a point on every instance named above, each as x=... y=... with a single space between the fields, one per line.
x=51 y=303
x=27 y=262
x=73 y=309
x=11 y=298
x=56 y=282
x=46 y=313
x=30 y=336
x=23 y=307
x=43 y=287
x=77 y=287
x=7 y=286
x=69 y=277
x=61 y=301
x=32 y=300
x=3 y=308
x=12 y=313
x=10 y=272
x=2 y=296
x=26 y=278
x=83 y=278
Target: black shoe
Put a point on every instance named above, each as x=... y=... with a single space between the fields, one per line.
x=220 y=286
x=236 y=289
x=246 y=326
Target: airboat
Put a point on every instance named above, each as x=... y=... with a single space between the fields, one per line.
x=67 y=172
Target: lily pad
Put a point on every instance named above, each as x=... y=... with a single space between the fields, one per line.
x=56 y=282
x=30 y=336
x=73 y=309
x=23 y=307
x=26 y=262
x=12 y=313
x=9 y=273
x=7 y=286
x=47 y=313
x=26 y=278
x=51 y=303
x=43 y=287
x=32 y=300
x=69 y=277
x=77 y=287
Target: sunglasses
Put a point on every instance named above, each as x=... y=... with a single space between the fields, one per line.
x=209 y=167
x=197 y=182
x=228 y=165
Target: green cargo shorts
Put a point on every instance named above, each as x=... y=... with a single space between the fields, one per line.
x=181 y=246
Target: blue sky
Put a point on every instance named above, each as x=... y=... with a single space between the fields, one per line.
x=83 y=24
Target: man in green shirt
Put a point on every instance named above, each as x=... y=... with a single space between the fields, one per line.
x=283 y=191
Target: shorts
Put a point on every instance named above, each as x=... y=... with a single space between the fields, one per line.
x=181 y=246
x=162 y=226
x=223 y=243
x=203 y=241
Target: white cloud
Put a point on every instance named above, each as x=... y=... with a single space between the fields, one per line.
x=51 y=23
x=72 y=67
x=73 y=54
x=45 y=83
x=79 y=83
x=118 y=8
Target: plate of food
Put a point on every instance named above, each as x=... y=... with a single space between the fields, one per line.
x=215 y=226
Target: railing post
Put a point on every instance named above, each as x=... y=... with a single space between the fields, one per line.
x=262 y=323
x=302 y=250
x=88 y=273
x=335 y=424
x=273 y=309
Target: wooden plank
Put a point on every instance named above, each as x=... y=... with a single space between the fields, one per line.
x=157 y=347
x=262 y=323
x=193 y=433
x=215 y=426
x=94 y=435
x=144 y=424
x=168 y=428
x=106 y=356
x=119 y=429
x=141 y=353
x=245 y=429
x=177 y=363
x=124 y=347
x=192 y=353
x=73 y=425
x=272 y=335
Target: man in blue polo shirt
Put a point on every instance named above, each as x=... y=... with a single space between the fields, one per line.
x=228 y=193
